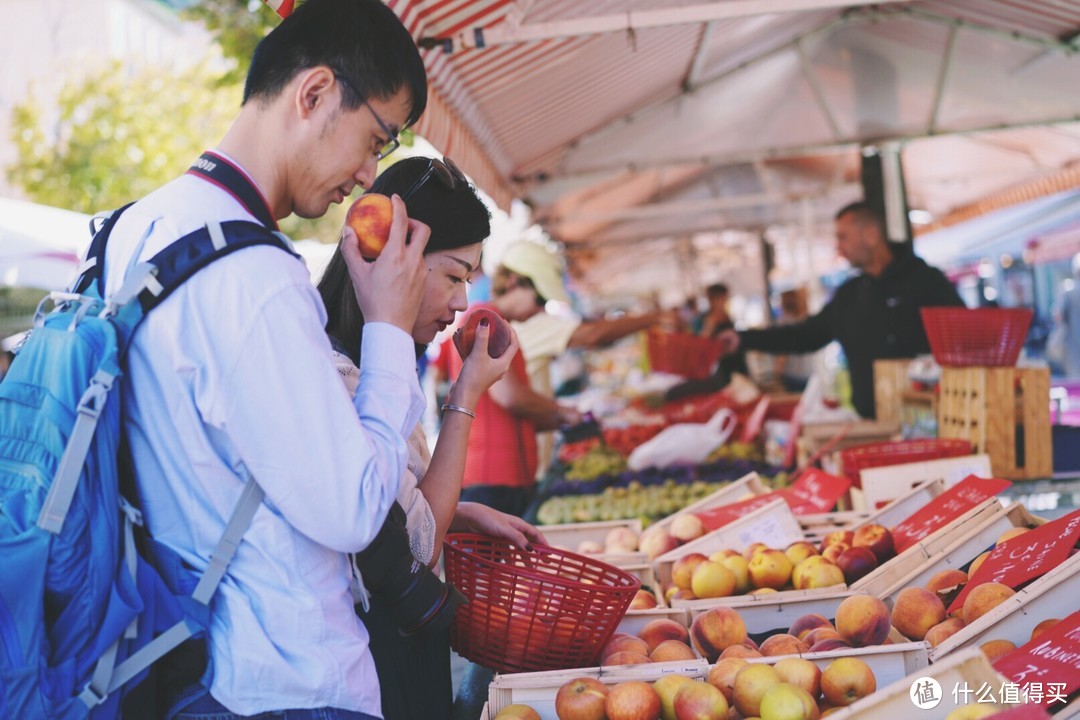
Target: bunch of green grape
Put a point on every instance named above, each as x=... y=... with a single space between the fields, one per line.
x=598 y=462
x=736 y=450
x=649 y=502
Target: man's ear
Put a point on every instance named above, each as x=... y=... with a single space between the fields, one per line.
x=315 y=89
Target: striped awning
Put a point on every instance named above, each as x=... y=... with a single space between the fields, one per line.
x=628 y=120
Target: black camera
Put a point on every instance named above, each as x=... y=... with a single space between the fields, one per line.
x=417 y=599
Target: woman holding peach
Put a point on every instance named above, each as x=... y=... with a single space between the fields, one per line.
x=437 y=194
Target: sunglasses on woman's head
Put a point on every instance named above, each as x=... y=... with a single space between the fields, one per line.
x=445 y=171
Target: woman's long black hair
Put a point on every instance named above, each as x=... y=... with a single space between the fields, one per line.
x=457 y=218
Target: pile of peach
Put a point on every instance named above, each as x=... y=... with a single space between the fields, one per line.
x=861 y=621
x=919 y=613
x=844 y=556
x=792 y=689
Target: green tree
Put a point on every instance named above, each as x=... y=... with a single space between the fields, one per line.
x=114 y=136
x=237 y=26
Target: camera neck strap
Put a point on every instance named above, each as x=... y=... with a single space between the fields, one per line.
x=221 y=171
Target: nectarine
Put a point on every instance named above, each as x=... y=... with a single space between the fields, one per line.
x=369 y=217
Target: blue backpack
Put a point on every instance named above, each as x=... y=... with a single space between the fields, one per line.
x=87 y=600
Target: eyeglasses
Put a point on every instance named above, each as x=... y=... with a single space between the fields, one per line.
x=393 y=143
x=445 y=171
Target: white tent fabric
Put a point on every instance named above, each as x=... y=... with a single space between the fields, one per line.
x=40 y=246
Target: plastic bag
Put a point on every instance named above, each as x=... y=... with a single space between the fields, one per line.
x=686 y=443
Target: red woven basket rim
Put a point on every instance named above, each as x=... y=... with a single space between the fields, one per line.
x=981 y=337
x=897 y=452
x=452 y=538
x=519 y=638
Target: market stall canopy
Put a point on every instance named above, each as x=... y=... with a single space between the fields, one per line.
x=622 y=121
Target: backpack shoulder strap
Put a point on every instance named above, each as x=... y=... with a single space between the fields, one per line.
x=91 y=268
x=149 y=283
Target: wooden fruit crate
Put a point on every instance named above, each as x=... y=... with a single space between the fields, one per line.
x=1054 y=595
x=773 y=524
x=1004 y=412
x=538 y=689
x=882 y=484
x=894 y=700
x=818 y=526
x=962 y=547
x=643 y=571
x=960 y=541
x=885 y=576
x=634 y=620
x=570 y=536
x=890 y=381
x=889 y=662
x=745 y=487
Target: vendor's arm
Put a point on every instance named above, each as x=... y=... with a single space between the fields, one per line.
x=811 y=334
x=518 y=398
x=598 y=333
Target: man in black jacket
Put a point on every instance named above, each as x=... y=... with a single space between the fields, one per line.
x=874 y=315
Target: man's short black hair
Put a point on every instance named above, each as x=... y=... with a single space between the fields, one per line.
x=864 y=212
x=716 y=290
x=361 y=39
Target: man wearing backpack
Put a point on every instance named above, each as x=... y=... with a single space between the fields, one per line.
x=230 y=377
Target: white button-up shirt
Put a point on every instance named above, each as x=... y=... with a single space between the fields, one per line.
x=233 y=371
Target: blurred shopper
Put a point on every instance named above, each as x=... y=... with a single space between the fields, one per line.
x=1069 y=317
x=713 y=323
x=543 y=335
x=431 y=485
x=874 y=315
x=793 y=370
x=501 y=465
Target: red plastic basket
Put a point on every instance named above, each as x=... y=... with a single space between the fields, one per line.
x=683 y=354
x=544 y=609
x=881 y=454
x=984 y=337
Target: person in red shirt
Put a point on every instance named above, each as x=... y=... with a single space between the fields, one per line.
x=500 y=465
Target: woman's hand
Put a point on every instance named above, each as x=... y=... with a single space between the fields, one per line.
x=480 y=371
x=478 y=518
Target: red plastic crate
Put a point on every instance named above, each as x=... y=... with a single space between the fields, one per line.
x=690 y=356
x=881 y=454
x=979 y=337
x=544 y=609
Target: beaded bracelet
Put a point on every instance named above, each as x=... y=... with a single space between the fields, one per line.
x=458 y=408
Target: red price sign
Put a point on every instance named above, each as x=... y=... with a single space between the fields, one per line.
x=1026 y=556
x=815 y=492
x=721 y=516
x=945 y=508
x=1048 y=667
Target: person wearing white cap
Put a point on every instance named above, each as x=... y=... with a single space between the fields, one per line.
x=545 y=336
